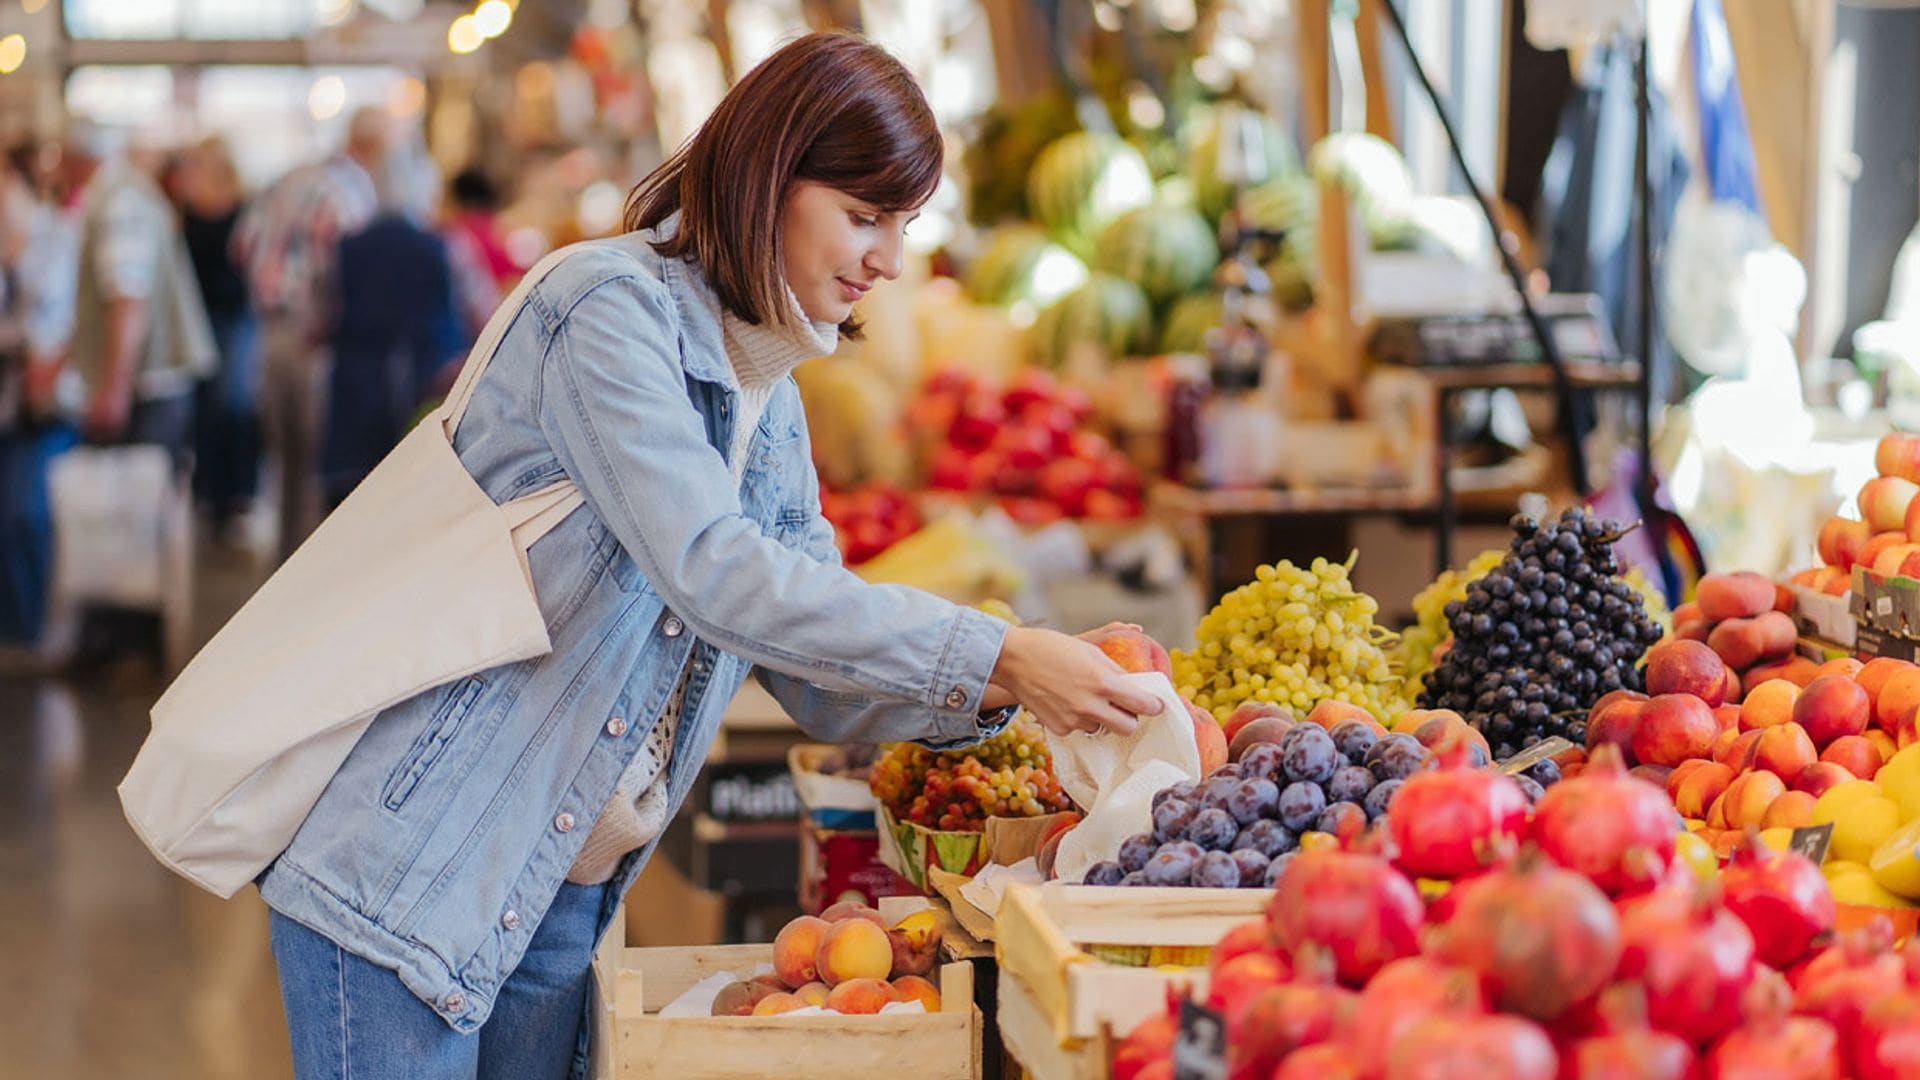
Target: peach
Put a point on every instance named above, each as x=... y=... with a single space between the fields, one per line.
x=1262 y=729
x=860 y=996
x=1810 y=577
x=1135 y=652
x=1673 y=728
x=1738 y=595
x=1717 y=813
x=1653 y=774
x=1874 y=674
x=1816 y=778
x=1613 y=718
x=1440 y=732
x=915 y=988
x=775 y=1004
x=1330 y=714
x=1841 y=541
x=1877 y=544
x=1732 y=692
x=1840 y=665
x=1208 y=738
x=1688 y=612
x=1728 y=842
x=1044 y=858
x=814 y=993
x=1696 y=793
x=1784 y=750
x=853 y=909
x=1833 y=581
x=1854 y=753
x=1768 y=704
x=1832 y=706
x=795 y=947
x=853 y=949
x=1883 y=502
x=1692 y=630
x=1790 y=811
x=1248 y=712
x=1728 y=716
x=1743 y=643
x=1737 y=754
x=1797 y=670
x=739 y=998
x=1686 y=667
x=1882 y=742
x=1409 y=722
x=1891 y=559
x=1682 y=771
x=1899 y=697
x=1749 y=796
x=1898 y=454
x=1722 y=744
x=1783 y=599
x=916 y=941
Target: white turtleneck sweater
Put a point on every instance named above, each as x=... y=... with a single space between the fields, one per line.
x=759 y=358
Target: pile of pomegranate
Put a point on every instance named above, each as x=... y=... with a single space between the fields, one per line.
x=1575 y=945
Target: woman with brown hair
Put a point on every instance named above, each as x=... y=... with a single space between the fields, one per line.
x=435 y=915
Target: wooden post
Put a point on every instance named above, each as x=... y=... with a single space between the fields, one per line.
x=1022 y=66
x=1374 y=69
x=1337 y=361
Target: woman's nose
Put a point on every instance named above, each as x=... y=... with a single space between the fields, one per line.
x=886 y=256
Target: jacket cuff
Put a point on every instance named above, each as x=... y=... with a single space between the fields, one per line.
x=960 y=679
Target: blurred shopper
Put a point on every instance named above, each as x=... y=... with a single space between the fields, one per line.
x=289 y=242
x=482 y=269
x=395 y=329
x=227 y=429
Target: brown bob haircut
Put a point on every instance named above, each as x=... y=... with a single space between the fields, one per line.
x=829 y=107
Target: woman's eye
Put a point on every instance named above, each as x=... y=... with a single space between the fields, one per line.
x=863 y=221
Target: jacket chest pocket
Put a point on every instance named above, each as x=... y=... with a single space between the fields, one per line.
x=432 y=741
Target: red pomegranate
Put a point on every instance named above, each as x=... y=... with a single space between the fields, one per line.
x=1846 y=950
x=1495 y=1047
x=1628 y=1049
x=1358 y=906
x=1693 y=958
x=1774 y=1045
x=1868 y=972
x=1327 y=1061
x=1285 y=1018
x=1249 y=936
x=1150 y=1041
x=1566 y=952
x=1450 y=822
x=1782 y=898
x=1404 y=993
x=1888 y=1045
x=1606 y=825
x=1243 y=978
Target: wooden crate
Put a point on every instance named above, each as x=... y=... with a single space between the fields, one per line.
x=1081 y=965
x=631 y=1041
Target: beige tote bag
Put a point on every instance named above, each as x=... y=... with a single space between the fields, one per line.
x=418 y=579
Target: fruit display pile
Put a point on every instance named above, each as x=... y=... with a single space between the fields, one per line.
x=1747 y=621
x=1882 y=537
x=1629 y=966
x=868 y=520
x=1009 y=775
x=1028 y=444
x=846 y=960
x=1419 y=644
x=1294 y=637
x=1541 y=636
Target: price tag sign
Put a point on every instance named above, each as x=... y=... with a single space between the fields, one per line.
x=1200 y=1049
x=1812 y=841
x=1534 y=755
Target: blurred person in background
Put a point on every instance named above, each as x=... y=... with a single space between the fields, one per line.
x=483 y=272
x=395 y=329
x=288 y=241
x=227 y=431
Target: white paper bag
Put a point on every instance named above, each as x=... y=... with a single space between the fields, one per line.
x=1115 y=777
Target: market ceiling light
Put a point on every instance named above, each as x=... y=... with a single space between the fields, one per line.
x=326 y=98
x=492 y=18
x=13 y=53
x=464 y=35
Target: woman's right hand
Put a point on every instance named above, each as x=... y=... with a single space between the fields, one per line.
x=1068 y=684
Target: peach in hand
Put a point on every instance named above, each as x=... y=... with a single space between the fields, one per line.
x=1135 y=652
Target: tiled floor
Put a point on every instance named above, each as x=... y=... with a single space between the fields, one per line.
x=110 y=966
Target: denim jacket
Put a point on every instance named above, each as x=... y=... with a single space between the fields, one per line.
x=445 y=835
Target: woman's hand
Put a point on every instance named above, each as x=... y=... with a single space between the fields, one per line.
x=1068 y=683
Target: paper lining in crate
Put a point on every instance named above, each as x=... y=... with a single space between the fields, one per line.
x=1080 y=965
x=632 y=1041
x=911 y=848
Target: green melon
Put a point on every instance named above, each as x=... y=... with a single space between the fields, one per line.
x=1108 y=312
x=1270 y=152
x=1185 y=328
x=1018 y=264
x=1082 y=181
x=1166 y=250
x=1376 y=181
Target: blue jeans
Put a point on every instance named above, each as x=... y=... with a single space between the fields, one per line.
x=350 y=1018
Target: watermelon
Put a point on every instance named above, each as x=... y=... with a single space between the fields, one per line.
x=1188 y=321
x=1018 y=264
x=1166 y=250
x=1082 y=181
x=1290 y=207
x=1110 y=313
x=1376 y=181
x=1269 y=151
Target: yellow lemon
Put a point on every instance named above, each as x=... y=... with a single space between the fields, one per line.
x=1694 y=825
x=1863 y=826
x=1903 y=788
x=1863 y=889
x=1314 y=841
x=1896 y=863
x=1828 y=807
x=1776 y=838
x=1697 y=853
x=1835 y=868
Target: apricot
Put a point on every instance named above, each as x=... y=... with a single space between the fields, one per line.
x=853 y=909
x=915 y=988
x=1748 y=797
x=1797 y=670
x=1768 y=704
x=853 y=949
x=1673 y=728
x=1696 y=793
x=1686 y=667
x=814 y=993
x=1788 y=811
x=1207 y=738
x=795 y=949
x=1818 y=777
x=1854 y=753
x=1738 y=754
x=777 y=1003
x=1882 y=742
x=1722 y=743
x=1897 y=701
x=1831 y=707
x=1717 y=813
x=1732 y=691
x=1839 y=665
x=1728 y=717
x=1683 y=770
x=860 y=996
x=1873 y=675
x=1739 y=595
x=1784 y=750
